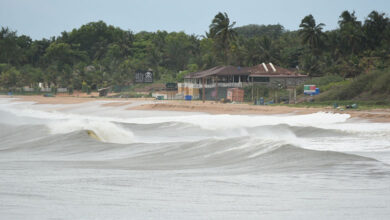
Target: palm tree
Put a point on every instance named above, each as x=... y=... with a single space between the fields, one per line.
x=311 y=33
x=9 y=49
x=351 y=31
x=266 y=49
x=375 y=26
x=221 y=30
x=346 y=17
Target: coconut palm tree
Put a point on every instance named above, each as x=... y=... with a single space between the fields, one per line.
x=346 y=17
x=375 y=26
x=221 y=30
x=351 y=31
x=311 y=33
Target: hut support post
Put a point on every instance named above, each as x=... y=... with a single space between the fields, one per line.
x=203 y=90
x=276 y=96
x=295 y=95
x=216 y=88
x=252 y=89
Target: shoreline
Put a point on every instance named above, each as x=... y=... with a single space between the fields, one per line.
x=374 y=115
x=211 y=107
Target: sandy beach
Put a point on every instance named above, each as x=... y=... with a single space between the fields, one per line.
x=375 y=115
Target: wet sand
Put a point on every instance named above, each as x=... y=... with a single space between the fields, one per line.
x=375 y=115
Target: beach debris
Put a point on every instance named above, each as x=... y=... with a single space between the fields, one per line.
x=48 y=95
x=354 y=106
x=103 y=91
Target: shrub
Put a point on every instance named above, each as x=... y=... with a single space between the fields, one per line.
x=374 y=86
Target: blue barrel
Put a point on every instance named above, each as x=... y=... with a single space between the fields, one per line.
x=188 y=97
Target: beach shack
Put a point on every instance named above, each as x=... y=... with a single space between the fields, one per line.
x=214 y=83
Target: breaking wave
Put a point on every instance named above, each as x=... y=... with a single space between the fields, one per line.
x=105 y=131
x=191 y=141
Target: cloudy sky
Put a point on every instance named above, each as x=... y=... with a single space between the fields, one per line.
x=46 y=18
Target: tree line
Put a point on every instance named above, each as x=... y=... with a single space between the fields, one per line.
x=100 y=55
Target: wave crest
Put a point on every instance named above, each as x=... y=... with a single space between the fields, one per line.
x=104 y=130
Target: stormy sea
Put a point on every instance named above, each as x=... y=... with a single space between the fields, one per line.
x=93 y=161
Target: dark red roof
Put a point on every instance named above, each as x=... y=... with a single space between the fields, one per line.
x=271 y=70
x=220 y=71
x=266 y=70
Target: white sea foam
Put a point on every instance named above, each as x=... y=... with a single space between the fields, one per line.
x=220 y=126
x=224 y=121
x=205 y=121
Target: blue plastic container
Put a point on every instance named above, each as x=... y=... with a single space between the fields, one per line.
x=188 y=97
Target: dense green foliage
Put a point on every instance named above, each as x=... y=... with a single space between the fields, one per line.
x=367 y=87
x=99 y=55
x=254 y=30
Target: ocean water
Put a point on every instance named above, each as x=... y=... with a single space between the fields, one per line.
x=88 y=161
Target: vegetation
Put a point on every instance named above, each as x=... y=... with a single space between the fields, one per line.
x=355 y=55
x=366 y=87
x=223 y=34
x=324 y=82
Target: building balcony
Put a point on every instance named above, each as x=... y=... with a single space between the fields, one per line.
x=212 y=85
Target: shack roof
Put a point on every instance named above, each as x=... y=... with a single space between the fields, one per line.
x=219 y=71
x=261 y=70
x=272 y=70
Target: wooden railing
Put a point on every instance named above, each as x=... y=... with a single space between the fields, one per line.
x=213 y=85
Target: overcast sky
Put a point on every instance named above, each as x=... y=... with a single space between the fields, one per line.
x=46 y=18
